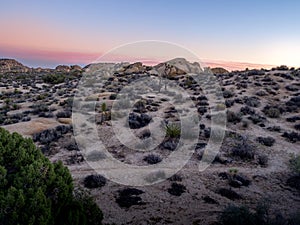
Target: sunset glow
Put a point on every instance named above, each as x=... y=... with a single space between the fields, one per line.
x=75 y=33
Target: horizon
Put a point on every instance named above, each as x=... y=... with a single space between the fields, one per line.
x=230 y=66
x=221 y=34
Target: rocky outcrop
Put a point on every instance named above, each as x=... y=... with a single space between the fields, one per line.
x=219 y=71
x=168 y=70
x=178 y=66
x=63 y=68
x=75 y=68
x=11 y=65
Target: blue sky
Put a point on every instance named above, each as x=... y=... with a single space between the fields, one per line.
x=254 y=31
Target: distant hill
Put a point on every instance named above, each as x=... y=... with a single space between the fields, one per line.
x=12 y=65
x=233 y=66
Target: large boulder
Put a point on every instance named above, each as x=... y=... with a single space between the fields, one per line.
x=219 y=71
x=177 y=66
x=137 y=67
x=63 y=68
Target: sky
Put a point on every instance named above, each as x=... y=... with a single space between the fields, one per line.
x=48 y=33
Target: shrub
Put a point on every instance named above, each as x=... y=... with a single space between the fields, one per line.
x=234 y=215
x=261 y=93
x=229 y=103
x=54 y=78
x=113 y=97
x=295 y=163
x=246 y=110
x=257 y=119
x=152 y=159
x=175 y=177
x=35 y=191
x=297 y=126
x=293 y=119
x=227 y=94
x=228 y=193
x=263 y=160
x=292 y=136
x=252 y=101
x=241 y=215
x=267 y=141
x=129 y=197
x=233 y=117
x=176 y=189
x=64 y=114
x=243 y=149
x=272 y=111
x=94 y=181
x=173 y=130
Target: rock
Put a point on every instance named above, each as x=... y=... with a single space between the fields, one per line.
x=11 y=65
x=167 y=70
x=75 y=68
x=177 y=66
x=137 y=121
x=135 y=68
x=63 y=68
x=219 y=71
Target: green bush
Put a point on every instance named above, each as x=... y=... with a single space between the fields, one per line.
x=54 y=78
x=233 y=117
x=35 y=191
x=272 y=111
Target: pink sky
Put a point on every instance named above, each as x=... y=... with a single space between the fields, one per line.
x=38 y=40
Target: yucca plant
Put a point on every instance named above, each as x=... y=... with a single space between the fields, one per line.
x=173 y=130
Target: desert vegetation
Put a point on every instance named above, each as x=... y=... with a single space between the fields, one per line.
x=258 y=157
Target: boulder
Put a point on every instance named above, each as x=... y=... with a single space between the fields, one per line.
x=63 y=68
